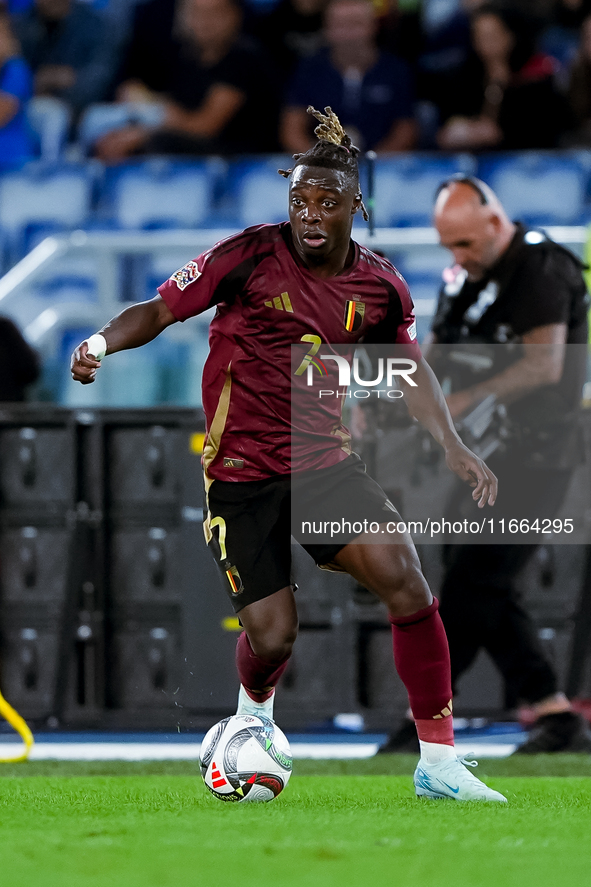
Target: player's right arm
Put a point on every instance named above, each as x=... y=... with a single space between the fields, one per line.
x=135 y=326
x=216 y=276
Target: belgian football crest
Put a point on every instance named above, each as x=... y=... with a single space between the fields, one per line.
x=233 y=577
x=354 y=314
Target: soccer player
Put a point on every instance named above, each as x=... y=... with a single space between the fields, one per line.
x=274 y=286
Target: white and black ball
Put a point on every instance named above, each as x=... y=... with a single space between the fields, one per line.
x=245 y=758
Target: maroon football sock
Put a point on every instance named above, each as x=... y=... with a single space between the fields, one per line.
x=421 y=655
x=258 y=677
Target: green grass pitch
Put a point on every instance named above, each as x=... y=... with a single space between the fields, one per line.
x=344 y=823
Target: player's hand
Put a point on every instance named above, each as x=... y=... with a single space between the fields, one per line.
x=83 y=365
x=474 y=471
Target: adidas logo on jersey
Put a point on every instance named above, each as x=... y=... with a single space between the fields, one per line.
x=282 y=303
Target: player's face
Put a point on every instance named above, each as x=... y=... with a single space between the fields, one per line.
x=321 y=209
x=472 y=237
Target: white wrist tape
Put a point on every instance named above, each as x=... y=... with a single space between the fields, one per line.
x=97 y=346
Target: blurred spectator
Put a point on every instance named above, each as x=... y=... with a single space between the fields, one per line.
x=571 y=13
x=504 y=96
x=446 y=35
x=212 y=101
x=561 y=36
x=150 y=52
x=67 y=45
x=401 y=28
x=16 y=87
x=371 y=91
x=19 y=363
x=579 y=91
x=292 y=31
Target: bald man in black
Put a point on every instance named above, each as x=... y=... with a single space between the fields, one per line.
x=516 y=289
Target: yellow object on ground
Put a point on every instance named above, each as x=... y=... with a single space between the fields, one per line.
x=21 y=727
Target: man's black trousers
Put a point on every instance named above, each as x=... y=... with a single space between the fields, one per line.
x=480 y=602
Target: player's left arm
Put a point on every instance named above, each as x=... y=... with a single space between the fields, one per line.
x=427 y=404
x=542 y=364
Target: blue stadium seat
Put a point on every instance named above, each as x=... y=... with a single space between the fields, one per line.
x=103 y=117
x=57 y=195
x=536 y=187
x=256 y=193
x=405 y=186
x=162 y=193
x=49 y=119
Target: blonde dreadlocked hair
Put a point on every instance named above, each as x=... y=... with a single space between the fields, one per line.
x=333 y=150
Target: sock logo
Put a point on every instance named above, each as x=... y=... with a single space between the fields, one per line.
x=445 y=712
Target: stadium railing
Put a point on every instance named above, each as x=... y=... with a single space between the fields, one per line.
x=70 y=284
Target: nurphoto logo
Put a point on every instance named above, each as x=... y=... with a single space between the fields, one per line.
x=387 y=371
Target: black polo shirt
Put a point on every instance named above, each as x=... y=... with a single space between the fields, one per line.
x=536 y=282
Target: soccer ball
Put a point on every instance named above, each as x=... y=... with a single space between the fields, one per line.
x=245 y=758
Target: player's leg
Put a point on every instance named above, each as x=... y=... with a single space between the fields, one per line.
x=249 y=536
x=421 y=655
x=264 y=648
x=465 y=636
x=393 y=572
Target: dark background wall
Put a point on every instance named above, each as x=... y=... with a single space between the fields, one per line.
x=112 y=614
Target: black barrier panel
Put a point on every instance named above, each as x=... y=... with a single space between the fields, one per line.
x=319 y=680
x=380 y=689
x=29 y=665
x=310 y=679
x=319 y=591
x=144 y=564
x=144 y=464
x=33 y=565
x=146 y=662
x=37 y=466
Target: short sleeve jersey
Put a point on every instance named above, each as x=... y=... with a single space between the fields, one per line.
x=266 y=301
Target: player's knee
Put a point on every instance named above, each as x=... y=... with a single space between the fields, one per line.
x=275 y=645
x=406 y=589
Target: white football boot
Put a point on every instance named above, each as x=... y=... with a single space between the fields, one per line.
x=452 y=779
x=247 y=706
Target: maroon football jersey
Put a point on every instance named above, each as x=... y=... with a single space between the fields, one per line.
x=256 y=404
